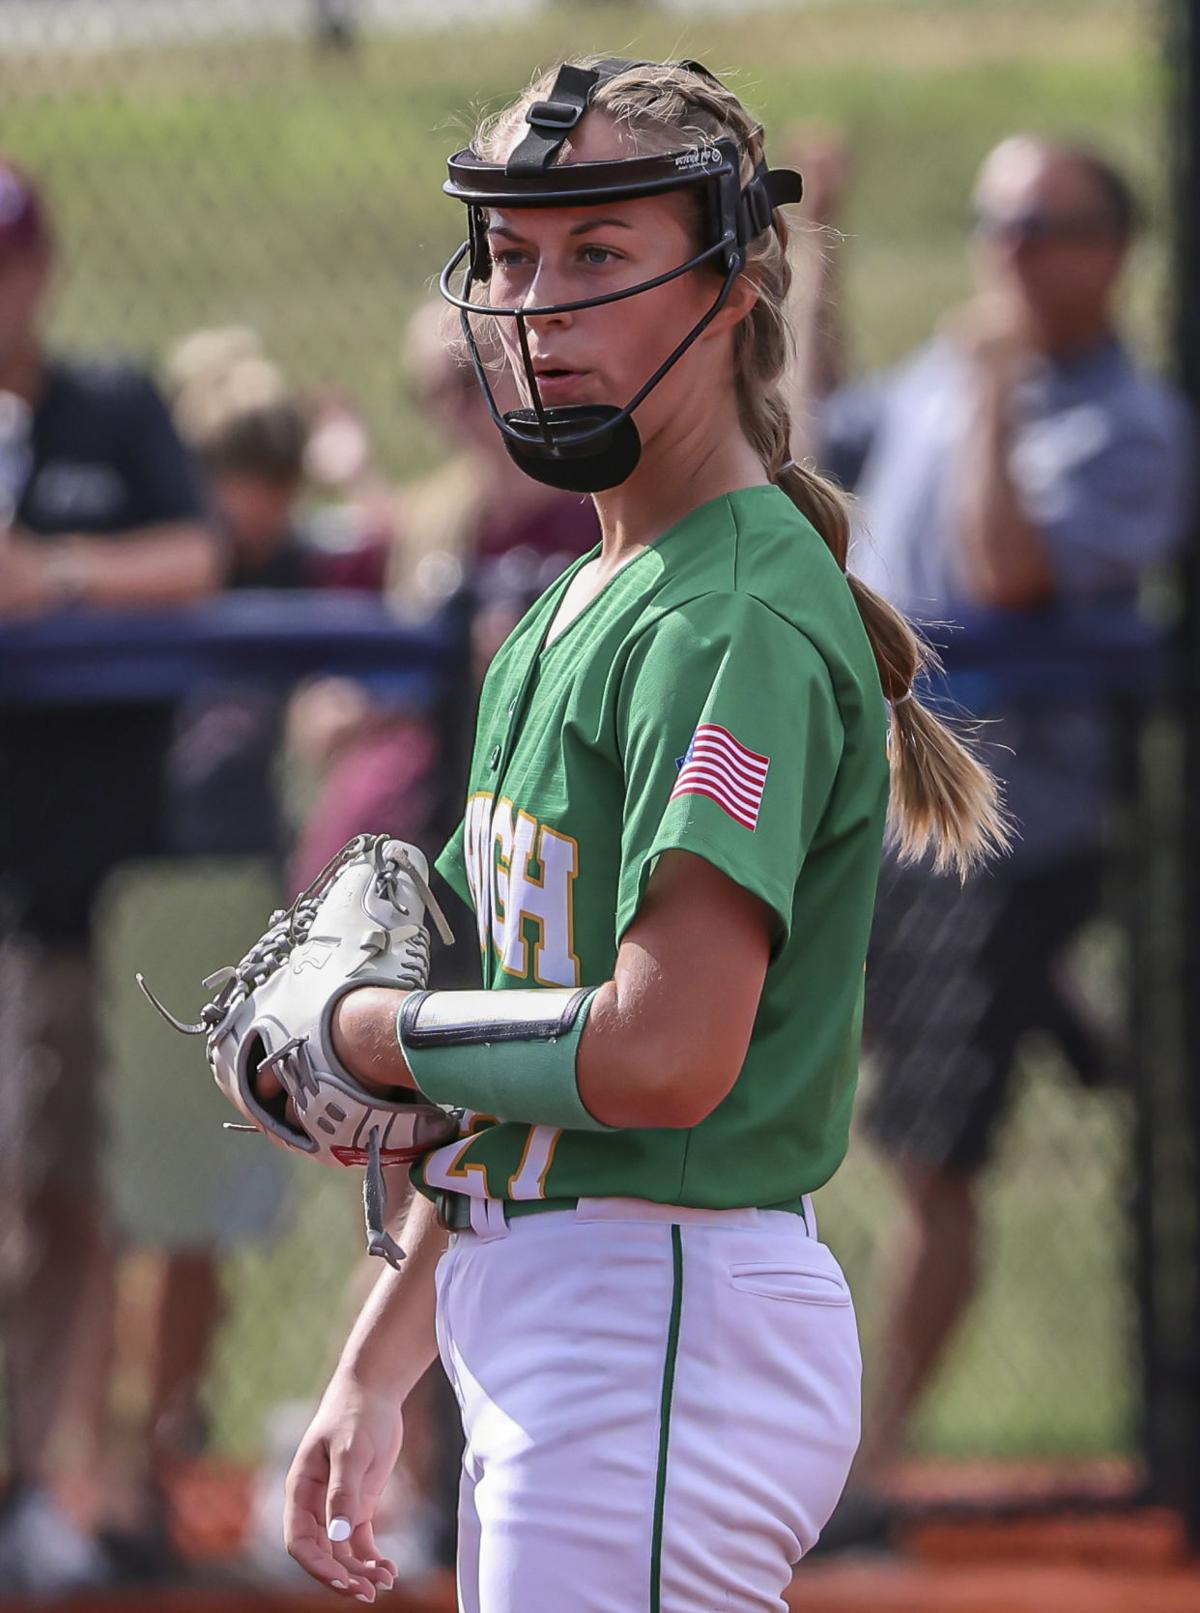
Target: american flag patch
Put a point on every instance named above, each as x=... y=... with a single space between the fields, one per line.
x=721 y=767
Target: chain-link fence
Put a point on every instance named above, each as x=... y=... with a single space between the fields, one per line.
x=275 y=166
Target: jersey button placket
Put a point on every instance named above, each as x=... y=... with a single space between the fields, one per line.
x=502 y=752
x=496 y=754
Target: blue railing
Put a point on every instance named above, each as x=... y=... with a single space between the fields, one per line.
x=1095 y=653
x=76 y=656
x=264 y=637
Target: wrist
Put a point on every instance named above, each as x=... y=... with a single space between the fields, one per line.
x=371 y=1380
x=370 y=1367
x=362 y=1031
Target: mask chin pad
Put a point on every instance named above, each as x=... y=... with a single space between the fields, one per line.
x=605 y=461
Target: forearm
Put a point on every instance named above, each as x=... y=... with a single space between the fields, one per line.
x=394 y=1340
x=534 y=1077
x=629 y=1068
x=163 y=566
x=1002 y=556
x=635 y=1070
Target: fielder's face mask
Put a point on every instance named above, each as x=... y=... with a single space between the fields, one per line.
x=587 y=447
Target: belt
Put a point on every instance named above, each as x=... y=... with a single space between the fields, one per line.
x=454 y=1209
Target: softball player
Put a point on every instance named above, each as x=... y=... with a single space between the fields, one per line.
x=677 y=799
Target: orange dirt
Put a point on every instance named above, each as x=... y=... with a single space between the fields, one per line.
x=1060 y=1561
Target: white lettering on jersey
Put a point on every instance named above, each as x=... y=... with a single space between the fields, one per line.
x=551 y=900
x=546 y=899
x=528 y=1181
x=501 y=861
x=450 y=1168
x=477 y=845
x=500 y=844
x=447 y=1167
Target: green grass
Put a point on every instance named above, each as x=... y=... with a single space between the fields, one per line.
x=257 y=183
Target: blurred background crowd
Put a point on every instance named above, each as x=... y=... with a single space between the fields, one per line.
x=233 y=413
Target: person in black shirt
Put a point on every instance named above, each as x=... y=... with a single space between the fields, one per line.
x=100 y=506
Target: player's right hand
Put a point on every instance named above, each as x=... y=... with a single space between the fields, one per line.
x=334 y=1484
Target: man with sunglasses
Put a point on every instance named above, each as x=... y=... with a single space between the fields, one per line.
x=1016 y=469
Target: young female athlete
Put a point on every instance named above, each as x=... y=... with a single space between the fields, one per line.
x=677 y=801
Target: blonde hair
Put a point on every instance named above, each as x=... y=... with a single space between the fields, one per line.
x=234 y=407
x=944 y=801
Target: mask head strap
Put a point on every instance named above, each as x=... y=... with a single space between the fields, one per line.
x=551 y=121
x=768 y=189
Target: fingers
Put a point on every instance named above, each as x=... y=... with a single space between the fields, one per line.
x=343 y=1500
x=309 y=1545
x=305 y=1532
x=361 y=1549
x=315 y=1555
x=350 y=1508
x=360 y=1561
x=266 y=1084
x=362 y=1543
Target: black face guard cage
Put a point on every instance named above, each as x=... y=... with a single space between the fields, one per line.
x=588 y=447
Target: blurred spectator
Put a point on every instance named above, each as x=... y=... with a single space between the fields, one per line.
x=102 y=507
x=477 y=523
x=234 y=409
x=1016 y=465
x=353 y=513
x=206 y=355
x=339 y=453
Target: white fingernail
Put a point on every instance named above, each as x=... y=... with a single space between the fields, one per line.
x=339 y=1529
x=364 y=1598
x=339 y=1585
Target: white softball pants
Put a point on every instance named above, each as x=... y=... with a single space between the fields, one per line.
x=660 y=1406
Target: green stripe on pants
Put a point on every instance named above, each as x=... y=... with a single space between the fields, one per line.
x=664 y=1426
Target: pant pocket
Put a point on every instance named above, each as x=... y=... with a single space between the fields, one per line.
x=801 y=1285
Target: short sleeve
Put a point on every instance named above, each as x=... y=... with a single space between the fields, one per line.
x=163 y=478
x=730 y=740
x=1109 y=492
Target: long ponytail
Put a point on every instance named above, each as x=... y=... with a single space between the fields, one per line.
x=944 y=801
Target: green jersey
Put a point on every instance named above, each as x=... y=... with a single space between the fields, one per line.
x=718 y=696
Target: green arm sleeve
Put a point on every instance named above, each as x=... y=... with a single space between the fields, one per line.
x=509 y=1053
